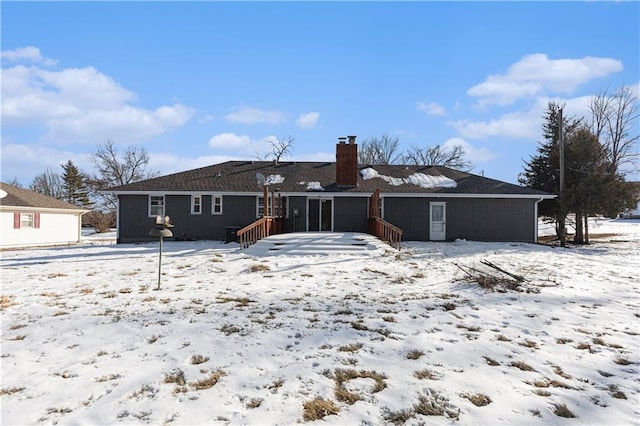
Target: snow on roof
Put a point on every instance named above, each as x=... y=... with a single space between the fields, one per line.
x=314 y=186
x=274 y=179
x=419 y=179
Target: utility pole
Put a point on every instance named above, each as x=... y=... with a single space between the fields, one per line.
x=563 y=214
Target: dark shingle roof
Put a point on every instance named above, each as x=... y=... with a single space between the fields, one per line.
x=20 y=197
x=240 y=176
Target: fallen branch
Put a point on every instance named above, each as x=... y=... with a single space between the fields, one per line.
x=518 y=278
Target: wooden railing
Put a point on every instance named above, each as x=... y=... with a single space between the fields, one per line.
x=259 y=229
x=387 y=232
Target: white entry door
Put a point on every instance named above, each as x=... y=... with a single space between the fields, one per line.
x=438 y=221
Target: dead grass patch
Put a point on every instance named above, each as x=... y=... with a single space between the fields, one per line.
x=239 y=301
x=6 y=301
x=389 y=319
x=529 y=344
x=622 y=361
x=17 y=337
x=449 y=306
x=176 y=376
x=11 y=391
x=259 y=267
x=425 y=373
x=414 y=354
x=254 y=403
x=562 y=410
x=477 y=399
x=616 y=393
x=502 y=338
x=521 y=365
x=490 y=361
x=107 y=378
x=563 y=340
x=541 y=392
x=228 y=329
x=17 y=326
x=397 y=417
x=352 y=347
x=346 y=396
x=277 y=384
x=583 y=346
x=433 y=403
x=209 y=381
x=86 y=290
x=318 y=408
x=342 y=376
x=56 y=275
x=199 y=359
x=558 y=370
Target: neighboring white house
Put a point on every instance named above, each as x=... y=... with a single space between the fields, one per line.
x=28 y=218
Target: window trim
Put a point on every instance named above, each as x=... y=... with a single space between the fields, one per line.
x=194 y=204
x=213 y=204
x=261 y=205
x=149 y=212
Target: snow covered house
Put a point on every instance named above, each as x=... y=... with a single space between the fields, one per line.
x=28 y=218
x=423 y=203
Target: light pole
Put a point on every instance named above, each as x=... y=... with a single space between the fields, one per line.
x=161 y=229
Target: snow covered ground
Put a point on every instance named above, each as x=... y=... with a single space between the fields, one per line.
x=369 y=336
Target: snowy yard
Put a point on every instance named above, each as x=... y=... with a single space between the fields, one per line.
x=242 y=337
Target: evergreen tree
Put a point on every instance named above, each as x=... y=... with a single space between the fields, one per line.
x=590 y=187
x=74 y=185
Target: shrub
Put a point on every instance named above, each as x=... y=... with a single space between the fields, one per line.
x=318 y=408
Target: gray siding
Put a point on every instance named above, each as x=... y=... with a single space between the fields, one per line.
x=476 y=219
x=350 y=214
x=467 y=218
x=238 y=211
x=491 y=219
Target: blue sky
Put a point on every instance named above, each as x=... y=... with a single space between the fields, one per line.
x=203 y=82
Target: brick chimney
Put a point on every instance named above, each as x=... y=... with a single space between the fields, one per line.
x=347 y=162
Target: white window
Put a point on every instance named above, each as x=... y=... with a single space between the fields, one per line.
x=196 y=204
x=260 y=207
x=280 y=206
x=156 y=205
x=216 y=204
x=26 y=220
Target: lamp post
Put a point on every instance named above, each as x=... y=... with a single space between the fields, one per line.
x=161 y=229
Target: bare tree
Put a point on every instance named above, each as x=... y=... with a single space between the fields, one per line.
x=116 y=169
x=439 y=156
x=280 y=147
x=48 y=183
x=614 y=118
x=14 y=182
x=378 y=151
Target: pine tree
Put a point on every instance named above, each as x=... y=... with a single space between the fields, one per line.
x=74 y=186
x=590 y=187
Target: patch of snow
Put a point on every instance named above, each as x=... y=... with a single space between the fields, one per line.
x=314 y=186
x=419 y=179
x=274 y=179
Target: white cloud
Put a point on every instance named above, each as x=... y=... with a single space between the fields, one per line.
x=229 y=141
x=308 y=120
x=525 y=124
x=242 y=146
x=27 y=54
x=81 y=105
x=25 y=161
x=472 y=153
x=431 y=108
x=168 y=163
x=253 y=116
x=536 y=74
